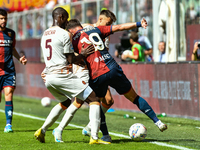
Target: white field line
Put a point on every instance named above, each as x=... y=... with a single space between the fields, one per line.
x=111 y=133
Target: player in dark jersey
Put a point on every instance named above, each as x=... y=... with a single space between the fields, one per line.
x=104 y=70
x=7 y=68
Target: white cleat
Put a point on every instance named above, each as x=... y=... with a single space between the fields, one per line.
x=161 y=126
x=57 y=135
x=86 y=131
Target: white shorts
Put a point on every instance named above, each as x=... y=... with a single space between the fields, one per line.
x=81 y=72
x=63 y=86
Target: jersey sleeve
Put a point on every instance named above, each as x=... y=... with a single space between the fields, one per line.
x=105 y=31
x=67 y=43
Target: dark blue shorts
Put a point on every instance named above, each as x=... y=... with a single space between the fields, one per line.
x=114 y=78
x=8 y=80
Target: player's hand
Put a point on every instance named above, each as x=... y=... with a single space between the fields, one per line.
x=23 y=60
x=144 y=23
x=43 y=77
x=87 y=51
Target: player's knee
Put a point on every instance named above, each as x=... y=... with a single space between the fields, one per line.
x=78 y=103
x=92 y=98
x=107 y=101
x=64 y=105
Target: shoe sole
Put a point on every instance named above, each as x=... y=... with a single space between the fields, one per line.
x=8 y=131
x=37 y=138
x=163 y=129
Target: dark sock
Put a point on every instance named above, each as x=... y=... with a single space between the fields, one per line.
x=103 y=126
x=145 y=108
x=9 y=111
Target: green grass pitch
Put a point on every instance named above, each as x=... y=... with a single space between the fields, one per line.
x=181 y=133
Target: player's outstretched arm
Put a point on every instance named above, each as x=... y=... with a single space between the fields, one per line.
x=129 y=26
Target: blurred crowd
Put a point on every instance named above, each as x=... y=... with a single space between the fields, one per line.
x=33 y=21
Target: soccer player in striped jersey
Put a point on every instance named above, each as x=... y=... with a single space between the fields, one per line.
x=106 y=18
x=7 y=68
x=104 y=70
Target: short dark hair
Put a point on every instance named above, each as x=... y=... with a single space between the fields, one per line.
x=59 y=10
x=134 y=36
x=108 y=14
x=73 y=23
x=3 y=12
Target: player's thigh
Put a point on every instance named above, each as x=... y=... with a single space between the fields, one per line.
x=9 y=83
x=65 y=86
x=92 y=99
x=56 y=93
x=119 y=81
x=99 y=85
x=8 y=92
x=79 y=101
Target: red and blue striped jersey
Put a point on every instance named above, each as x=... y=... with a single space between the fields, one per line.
x=7 y=43
x=100 y=61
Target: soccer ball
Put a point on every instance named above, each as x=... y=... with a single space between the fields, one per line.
x=127 y=52
x=137 y=132
x=46 y=101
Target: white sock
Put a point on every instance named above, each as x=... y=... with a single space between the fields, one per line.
x=94 y=115
x=104 y=111
x=88 y=125
x=52 y=117
x=71 y=110
x=158 y=123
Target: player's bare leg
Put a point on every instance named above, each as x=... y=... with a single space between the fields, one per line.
x=8 y=91
x=51 y=118
x=107 y=101
x=71 y=110
x=145 y=108
x=55 y=113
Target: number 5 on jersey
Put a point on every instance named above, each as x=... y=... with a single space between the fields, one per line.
x=48 y=46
